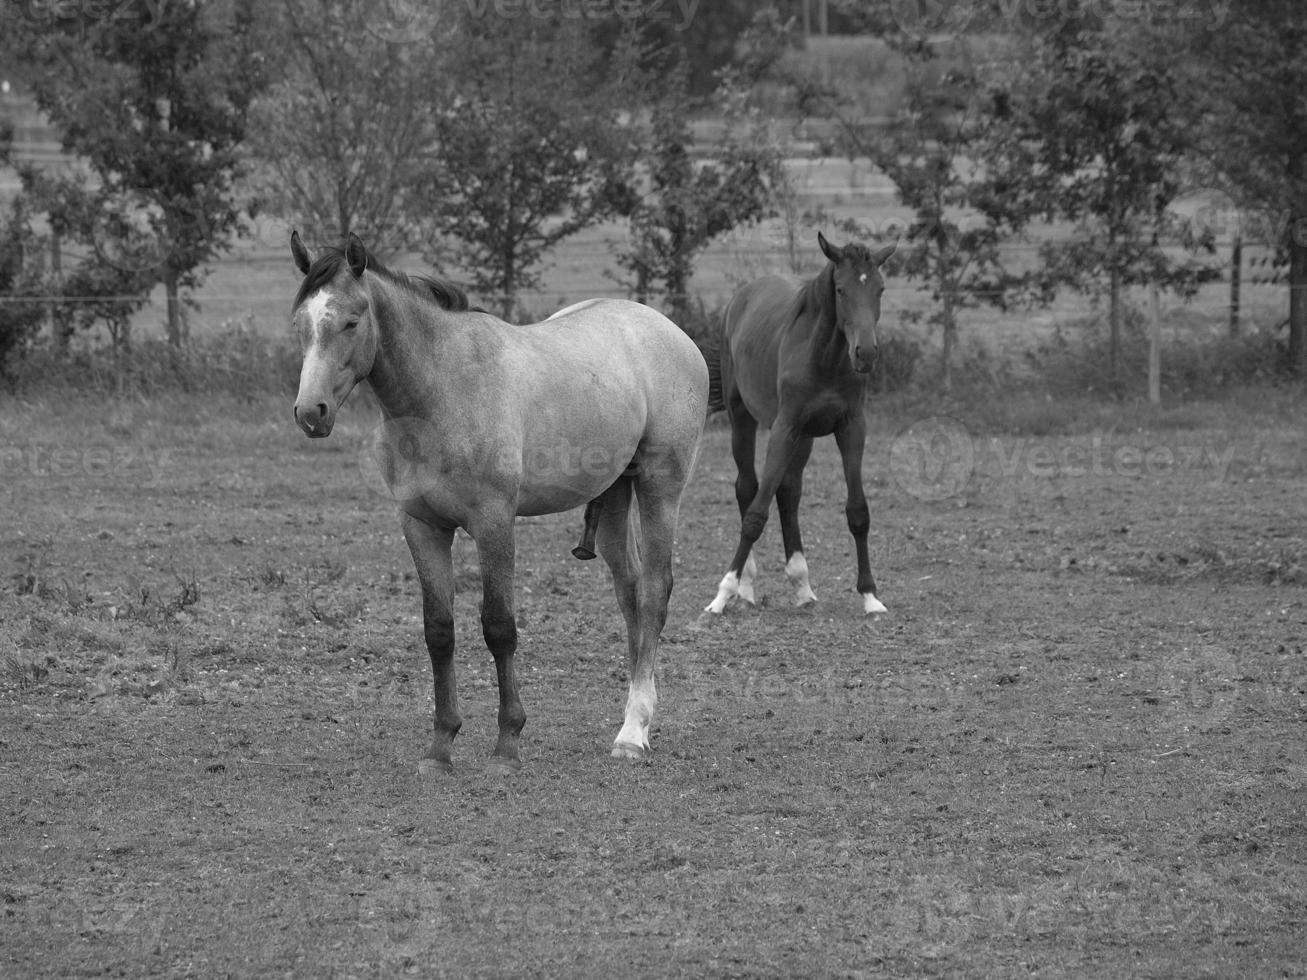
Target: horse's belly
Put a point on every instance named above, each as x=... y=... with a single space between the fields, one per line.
x=567 y=470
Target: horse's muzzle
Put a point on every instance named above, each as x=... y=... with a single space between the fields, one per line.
x=316 y=420
x=864 y=359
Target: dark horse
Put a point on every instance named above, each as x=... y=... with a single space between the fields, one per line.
x=794 y=358
x=484 y=421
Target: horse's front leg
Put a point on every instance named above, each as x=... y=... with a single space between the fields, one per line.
x=782 y=448
x=430 y=547
x=496 y=548
x=851 y=437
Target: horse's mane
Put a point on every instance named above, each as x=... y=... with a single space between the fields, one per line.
x=328 y=262
x=817 y=293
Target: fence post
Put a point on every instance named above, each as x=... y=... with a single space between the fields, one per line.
x=1236 y=282
x=1154 y=345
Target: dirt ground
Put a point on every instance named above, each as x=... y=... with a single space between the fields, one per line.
x=1074 y=747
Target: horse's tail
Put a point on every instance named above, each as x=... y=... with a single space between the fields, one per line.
x=712 y=353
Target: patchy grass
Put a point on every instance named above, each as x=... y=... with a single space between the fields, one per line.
x=1072 y=749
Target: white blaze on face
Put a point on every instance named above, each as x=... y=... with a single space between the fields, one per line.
x=862 y=278
x=316 y=308
x=315 y=375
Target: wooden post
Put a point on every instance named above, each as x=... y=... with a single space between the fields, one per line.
x=1154 y=346
x=1236 y=282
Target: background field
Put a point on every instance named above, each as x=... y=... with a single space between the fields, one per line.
x=1073 y=748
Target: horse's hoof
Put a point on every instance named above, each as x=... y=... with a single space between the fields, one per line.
x=805 y=603
x=629 y=751
x=428 y=766
x=582 y=554
x=871 y=606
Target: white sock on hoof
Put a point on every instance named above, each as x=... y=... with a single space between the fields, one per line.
x=727 y=589
x=871 y=606
x=796 y=570
x=746 y=591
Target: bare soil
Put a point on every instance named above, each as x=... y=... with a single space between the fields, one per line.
x=1073 y=748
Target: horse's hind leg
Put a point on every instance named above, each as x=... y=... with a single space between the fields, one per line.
x=495 y=547
x=744 y=442
x=430 y=547
x=617 y=545
x=658 y=501
x=788 y=495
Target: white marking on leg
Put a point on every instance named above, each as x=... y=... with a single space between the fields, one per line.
x=633 y=740
x=796 y=570
x=747 y=579
x=727 y=589
x=871 y=606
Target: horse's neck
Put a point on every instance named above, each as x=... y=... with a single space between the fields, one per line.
x=817 y=308
x=410 y=334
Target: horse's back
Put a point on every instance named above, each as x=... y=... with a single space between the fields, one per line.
x=622 y=365
x=752 y=328
x=622 y=334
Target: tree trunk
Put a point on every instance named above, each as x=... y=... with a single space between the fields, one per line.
x=172 y=304
x=950 y=325
x=1154 y=345
x=508 y=297
x=1298 y=297
x=1236 y=282
x=1114 y=330
x=61 y=320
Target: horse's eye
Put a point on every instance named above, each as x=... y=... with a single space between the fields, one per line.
x=351 y=324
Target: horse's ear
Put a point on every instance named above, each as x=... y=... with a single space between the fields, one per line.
x=832 y=252
x=356 y=255
x=881 y=256
x=303 y=257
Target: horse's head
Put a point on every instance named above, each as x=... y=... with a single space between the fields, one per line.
x=338 y=337
x=858 y=285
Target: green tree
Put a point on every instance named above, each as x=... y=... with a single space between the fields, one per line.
x=1108 y=146
x=954 y=161
x=103 y=287
x=345 y=130
x=688 y=203
x=21 y=284
x=1245 y=78
x=153 y=95
x=535 y=145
